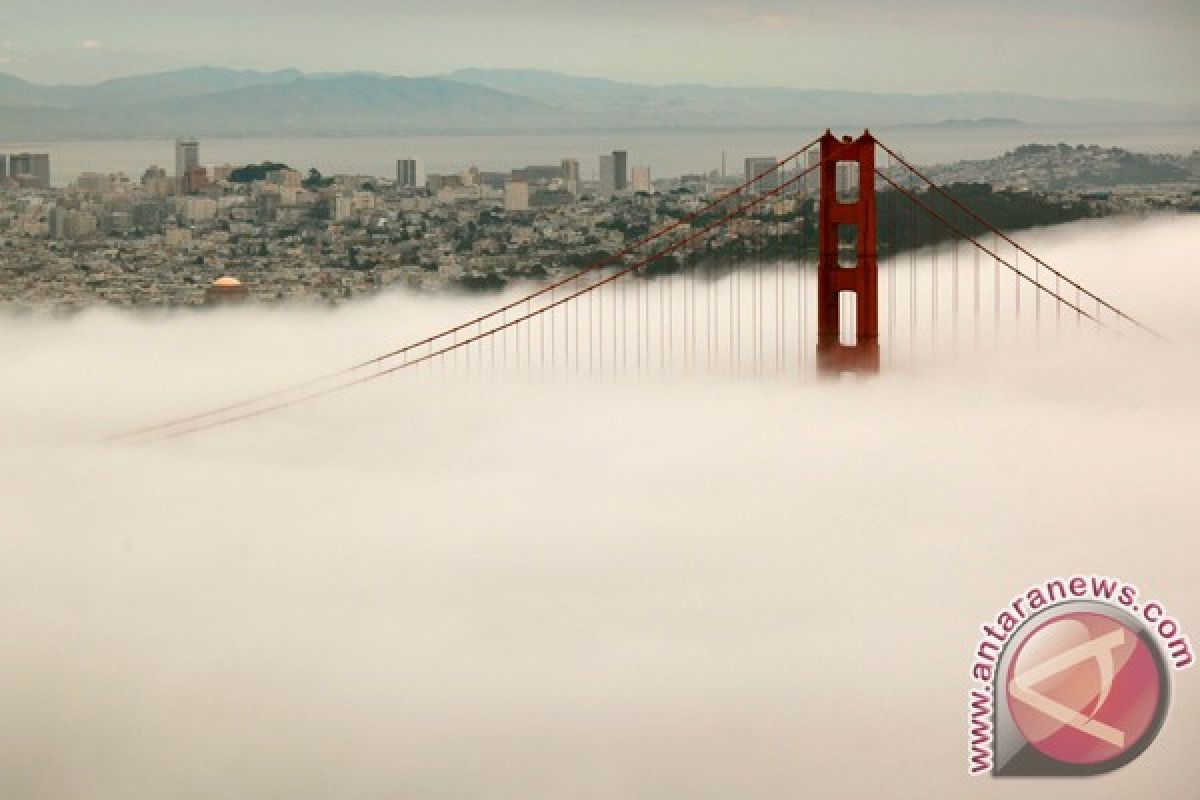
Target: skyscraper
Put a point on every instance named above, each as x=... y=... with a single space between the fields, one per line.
x=187 y=155
x=614 y=173
x=757 y=166
x=35 y=165
x=608 y=182
x=570 y=169
x=620 y=170
x=847 y=181
x=406 y=172
x=812 y=181
x=570 y=175
x=21 y=164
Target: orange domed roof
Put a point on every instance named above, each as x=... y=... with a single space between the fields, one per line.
x=227 y=280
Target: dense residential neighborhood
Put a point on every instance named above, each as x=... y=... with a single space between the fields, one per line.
x=283 y=235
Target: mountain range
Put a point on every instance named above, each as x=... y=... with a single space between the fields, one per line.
x=209 y=101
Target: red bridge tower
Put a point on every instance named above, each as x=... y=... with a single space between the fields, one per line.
x=847 y=214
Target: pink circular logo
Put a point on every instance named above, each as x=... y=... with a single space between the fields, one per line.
x=1084 y=688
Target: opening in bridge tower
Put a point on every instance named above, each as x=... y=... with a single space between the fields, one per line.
x=846 y=261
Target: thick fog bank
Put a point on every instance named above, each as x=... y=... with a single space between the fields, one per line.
x=440 y=586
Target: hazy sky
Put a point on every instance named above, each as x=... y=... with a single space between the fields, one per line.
x=1117 y=48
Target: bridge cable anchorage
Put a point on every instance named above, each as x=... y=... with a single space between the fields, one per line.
x=1017 y=273
x=198 y=423
x=588 y=270
x=992 y=228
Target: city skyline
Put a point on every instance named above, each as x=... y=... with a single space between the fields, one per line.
x=1133 y=50
x=274 y=233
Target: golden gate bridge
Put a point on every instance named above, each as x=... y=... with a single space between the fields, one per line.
x=964 y=281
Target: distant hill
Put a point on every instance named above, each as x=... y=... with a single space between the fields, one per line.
x=279 y=104
x=210 y=101
x=1062 y=166
x=138 y=89
x=699 y=105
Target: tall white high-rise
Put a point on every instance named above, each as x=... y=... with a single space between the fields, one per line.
x=187 y=156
